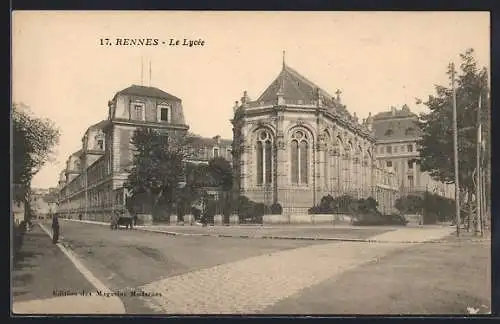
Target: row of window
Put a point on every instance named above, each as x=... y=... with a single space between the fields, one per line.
x=410 y=131
x=389 y=149
x=389 y=164
x=204 y=153
x=139 y=113
x=299 y=158
x=100 y=198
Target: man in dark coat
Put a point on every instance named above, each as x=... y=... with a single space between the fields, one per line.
x=55 y=229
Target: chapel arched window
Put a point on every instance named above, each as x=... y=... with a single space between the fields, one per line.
x=299 y=146
x=264 y=157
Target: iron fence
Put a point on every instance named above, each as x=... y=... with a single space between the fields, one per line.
x=431 y=205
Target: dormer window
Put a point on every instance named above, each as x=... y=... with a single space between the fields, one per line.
x=99 y=141
x=138 y=111
x=163 y=113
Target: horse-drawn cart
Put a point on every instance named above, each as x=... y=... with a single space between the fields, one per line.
x=121 y=219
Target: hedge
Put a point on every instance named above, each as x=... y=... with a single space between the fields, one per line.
x=363 y=211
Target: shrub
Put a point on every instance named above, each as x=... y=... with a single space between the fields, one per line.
x=250 y=211
x=365 y=212
x=330 y=205
x=276 y=209
x=411 y=204
x=314 y=210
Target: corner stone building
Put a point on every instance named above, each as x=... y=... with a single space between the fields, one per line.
x=92 y=182
x=397 y=134
x=296 y=144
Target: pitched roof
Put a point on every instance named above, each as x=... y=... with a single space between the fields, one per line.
x=77 y=153
x=98 y=125
x=142 y=91
x=398 y=124
x=402 y=113
x=295 y=86
x=196 y=140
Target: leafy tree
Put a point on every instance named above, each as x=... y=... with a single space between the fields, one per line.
x=220 y=169
x=436 y=144
x=34 y=141
x=156 y=170
x=411 y=204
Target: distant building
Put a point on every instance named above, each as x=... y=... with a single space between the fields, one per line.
x=397 y=133
x=202 y=149
x=43 y=202
x=92 y=182
x=296 y=143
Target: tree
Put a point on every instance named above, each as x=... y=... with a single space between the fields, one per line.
x=34 y=141
x=221 y=170
x=411 y=204
x=156 y=171
x=436 y=144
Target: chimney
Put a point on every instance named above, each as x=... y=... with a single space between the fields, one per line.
x=369 y=122
x=245 y=98
x=355 y=118
x=393 y=111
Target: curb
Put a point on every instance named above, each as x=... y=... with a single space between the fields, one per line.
x=303 y=238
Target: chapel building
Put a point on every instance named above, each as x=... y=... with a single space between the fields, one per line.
x=296 y=143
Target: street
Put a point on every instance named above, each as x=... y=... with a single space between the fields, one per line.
x=222 y=275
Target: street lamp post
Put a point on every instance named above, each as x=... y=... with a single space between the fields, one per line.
x=455 y=148
x=479 y=218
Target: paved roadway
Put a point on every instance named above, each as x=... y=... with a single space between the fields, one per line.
x=197 y=274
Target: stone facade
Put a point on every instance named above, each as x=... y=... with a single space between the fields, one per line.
x=397 y=136
x=296 y=144
x=92 y=183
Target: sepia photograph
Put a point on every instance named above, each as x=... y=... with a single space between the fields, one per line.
x=250 y=163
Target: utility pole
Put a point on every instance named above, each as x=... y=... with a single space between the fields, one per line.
x=142 y=71
x=479 y=218
x=455 y=148
x=86 y=189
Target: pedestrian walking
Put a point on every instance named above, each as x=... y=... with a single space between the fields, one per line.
x=55 y=229
x=80 y=217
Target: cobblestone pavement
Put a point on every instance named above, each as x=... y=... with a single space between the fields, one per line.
x=125 y=259
x=250 y=285
x=213 y=275
x=421 y=279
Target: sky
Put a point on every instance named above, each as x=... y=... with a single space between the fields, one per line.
x=377 y=60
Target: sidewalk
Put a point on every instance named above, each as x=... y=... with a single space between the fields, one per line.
x=43 y=276
x=371 y=234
